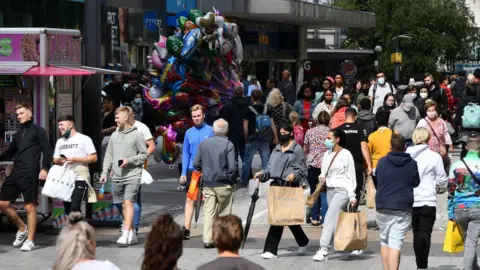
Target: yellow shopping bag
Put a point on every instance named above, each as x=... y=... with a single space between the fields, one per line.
x=453 y=238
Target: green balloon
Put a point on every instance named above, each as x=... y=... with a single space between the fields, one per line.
x=194 y=14
x=174 y=45
x=181 y=22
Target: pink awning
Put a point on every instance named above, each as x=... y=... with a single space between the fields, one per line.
x=57 y=71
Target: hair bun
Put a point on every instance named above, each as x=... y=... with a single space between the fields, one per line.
x=75 y=217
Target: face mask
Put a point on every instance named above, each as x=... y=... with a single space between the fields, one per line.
x=138 y=100
x=329 y=144
x=432 y=115
x=284 y=138
x=414 y=95
x=424 y=95
x=67 y=134
x=381 y=81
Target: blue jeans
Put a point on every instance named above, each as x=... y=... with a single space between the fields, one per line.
x=137 y=209
x=252 y=146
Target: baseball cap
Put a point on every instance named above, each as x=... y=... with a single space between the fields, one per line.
x=408 y=99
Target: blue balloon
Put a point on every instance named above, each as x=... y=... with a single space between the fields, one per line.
x=190 y=43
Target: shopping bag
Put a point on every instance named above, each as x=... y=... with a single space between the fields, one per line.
x=351 y=232
x=311 y=199
x=453 y=238
x=146 y=178
x=194 y=184
x=60 y=183
x=370 y=188
x=286 y=206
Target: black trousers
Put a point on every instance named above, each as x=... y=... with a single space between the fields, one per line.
x=423 y=219
x=359 y=171
x=78 y=195
x=275 y=234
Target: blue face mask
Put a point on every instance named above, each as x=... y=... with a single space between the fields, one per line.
x=414 y=95
x=381 y=81
x=329 y=144
x=138 y=100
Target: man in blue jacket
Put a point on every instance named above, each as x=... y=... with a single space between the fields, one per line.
x=193 y=137
x=397 y=176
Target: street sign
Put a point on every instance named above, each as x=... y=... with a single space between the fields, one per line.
x=396 y=58
x=307 y=65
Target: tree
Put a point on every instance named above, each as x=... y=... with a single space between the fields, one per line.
x=442 y=31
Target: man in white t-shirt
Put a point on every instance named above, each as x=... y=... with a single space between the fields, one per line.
x=149 y=140
x=379 y=90
x=78 y=151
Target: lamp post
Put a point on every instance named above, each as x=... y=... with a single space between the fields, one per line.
x=378 y=50
x=398 y=57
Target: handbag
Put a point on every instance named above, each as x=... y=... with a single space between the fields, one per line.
x=60 y=182
x=453 y=242
x=146 y=178
x=323 y=187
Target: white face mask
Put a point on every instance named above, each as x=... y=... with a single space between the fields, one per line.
x=432 y=114
x=424 y=95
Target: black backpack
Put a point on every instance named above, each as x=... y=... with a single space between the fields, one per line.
x=368 y=126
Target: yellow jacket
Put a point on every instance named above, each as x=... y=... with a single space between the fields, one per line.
x=379 y=144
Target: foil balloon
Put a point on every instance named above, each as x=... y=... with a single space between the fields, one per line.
x=174 y=45
x=166 y=145
x=154 y=92
x=190 y=43
x=181 y=22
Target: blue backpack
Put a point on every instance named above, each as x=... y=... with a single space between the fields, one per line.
x=262 y=123
x=471 y=116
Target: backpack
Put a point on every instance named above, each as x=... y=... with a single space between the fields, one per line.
x=375 y=90
x=459 y=87
x=471 y=116
x=368 y=126
x=298 y=134
x=262 y=123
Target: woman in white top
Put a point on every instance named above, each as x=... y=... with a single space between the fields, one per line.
x=432 y=174
x=76 y=247
x=338 y=172
x=327 y=103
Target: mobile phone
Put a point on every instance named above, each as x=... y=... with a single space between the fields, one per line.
x=120 y=162
x=63 y=156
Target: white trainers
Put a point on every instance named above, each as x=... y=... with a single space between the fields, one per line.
x=320 y=256
x=132 y=238
x=123 y=240
x=20 y=237
x=28 y=246
x=268 y=256
x=302 y=250
x=357 y=252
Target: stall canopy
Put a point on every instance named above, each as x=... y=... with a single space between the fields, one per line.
x=32 y=69
x=56 y=71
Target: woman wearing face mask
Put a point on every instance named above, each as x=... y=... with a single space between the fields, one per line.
x=420 y=100
x=326 y=85
x=439 y=136
x=389 y=103
x=338 y=173
x=326 y=104
x=137 y=106
x=286 y=164
x=304 y=106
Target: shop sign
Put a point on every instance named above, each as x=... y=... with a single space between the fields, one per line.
x=19 y=47
x=150 y=21
x=8 y=81
x=348 y=70
x=64 y=49
x=307 y=65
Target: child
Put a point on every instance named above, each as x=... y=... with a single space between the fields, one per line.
x=297 y=128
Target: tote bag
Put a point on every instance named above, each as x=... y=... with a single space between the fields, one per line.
x=286 y=206
x=453 y=238
x=60 y=183
x=351 y=232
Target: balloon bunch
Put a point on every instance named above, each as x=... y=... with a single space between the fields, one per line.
x=196 y=65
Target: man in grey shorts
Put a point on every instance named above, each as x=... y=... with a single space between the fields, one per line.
x=125 y=157
x=397 y=176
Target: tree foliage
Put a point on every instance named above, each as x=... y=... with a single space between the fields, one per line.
x=442 y=31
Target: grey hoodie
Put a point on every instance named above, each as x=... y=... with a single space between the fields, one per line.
x=129 y=144
x=404 y=122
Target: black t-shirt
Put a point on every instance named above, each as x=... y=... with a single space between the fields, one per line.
x=231 y=263
x=355 y=136
x=251 y=117
x=109 y=121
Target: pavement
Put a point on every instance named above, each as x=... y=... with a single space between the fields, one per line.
x=163 y=196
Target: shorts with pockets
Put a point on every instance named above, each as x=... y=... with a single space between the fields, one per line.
x=126 y=190
x=393 y=225
x=25 y=183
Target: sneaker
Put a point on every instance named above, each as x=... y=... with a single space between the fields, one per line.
x=357 y=252
x=121 y=226
x=132 y=238
x=123 y=240
x=186 y=234
x=268 y=256
x=302 y=250
x=28 y=246
x=208 y=245
x=320 y=256
x=20 y=237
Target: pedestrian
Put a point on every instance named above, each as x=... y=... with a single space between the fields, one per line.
x=366 y=119
x=339 y=88
x=271 y=84
x=150 y=143
x=397 y=176
x=77 y=150
x=338 y=114
x=298 y=131
x=326 y=85
x=115 y=90
x=389 y=103
x=26 y=146
x=444 y=85
x=287 y=164
x=432 y=175
x=257 y=135
x=193 y=137
x=357 y=86
x=458 y=85
x=379 y=141
x=420 y=100
x=164 y=245
x=131 y=92
x=254 y=85
x=76 y=247
x=338 y=174
x=124 y=160
x=137 y=106
x=228 y=236
x=404 y=119
x=215 y=158
x=471 y=95
x=439 y=136
x=304 y=106
x=287 y=88
x=363 y=94
x=279 y=110
x=327 y=103
x=436 y=93
x=379 y=90
x=233 y=112
x=463 y=200
x=349 y=98
x=315 y=149
x=108 y=123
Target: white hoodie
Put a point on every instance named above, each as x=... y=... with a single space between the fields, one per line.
x=432 y=173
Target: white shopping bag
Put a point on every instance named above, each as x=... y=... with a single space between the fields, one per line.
x=60 y=183
x=146 y=178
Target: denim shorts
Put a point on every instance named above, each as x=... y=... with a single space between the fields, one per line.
x=126 y=190
x=393 y=225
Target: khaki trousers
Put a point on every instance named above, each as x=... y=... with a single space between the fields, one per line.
x=218 y=201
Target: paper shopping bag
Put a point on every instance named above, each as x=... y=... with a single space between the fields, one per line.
x=194 y=183
x=351 y=232
x=453 y=238
x=311 y=199
x=285 y=206
x=370 y=188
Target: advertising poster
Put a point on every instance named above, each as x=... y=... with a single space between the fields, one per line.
x=104 y=210
x=19 y=47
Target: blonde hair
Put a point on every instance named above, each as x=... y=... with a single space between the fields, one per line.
x=74 y=243
x=294 y=118
x=196 y=108
x=420 y=136
x=124 y=109
x=275 y=98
